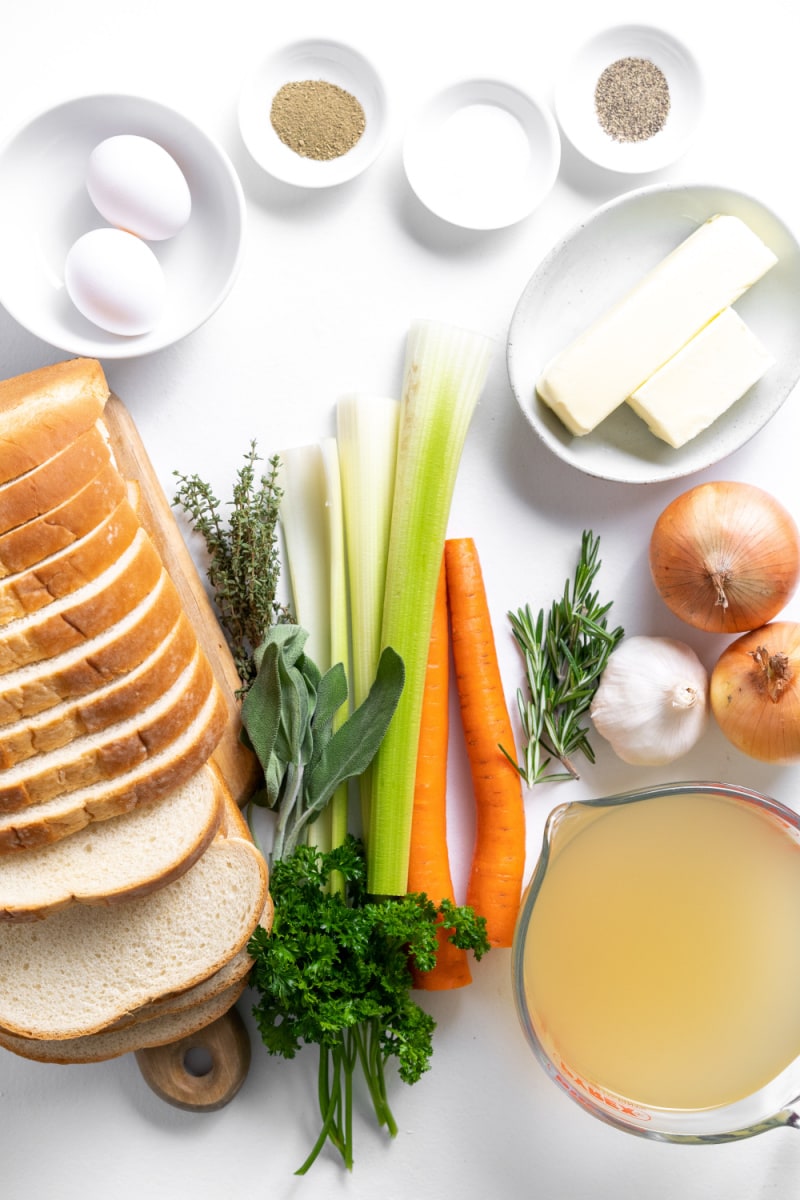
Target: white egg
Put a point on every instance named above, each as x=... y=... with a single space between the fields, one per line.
x=137 y=186
x=116 y=281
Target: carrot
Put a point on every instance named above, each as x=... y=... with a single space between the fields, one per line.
x=429 y=863
x=495 y=882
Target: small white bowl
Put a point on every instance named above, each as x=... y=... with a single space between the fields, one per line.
x=482 y=154
x=45 y=207
x=313 y=59
x=575 y=99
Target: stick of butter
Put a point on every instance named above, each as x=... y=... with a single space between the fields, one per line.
x=607 y=363
x=709 y=374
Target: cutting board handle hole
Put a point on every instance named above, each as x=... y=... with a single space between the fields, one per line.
x=198 y=1061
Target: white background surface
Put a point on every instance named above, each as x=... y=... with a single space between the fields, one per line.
x=329 y=285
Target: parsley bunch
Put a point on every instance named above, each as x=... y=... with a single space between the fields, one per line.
x=334 y=972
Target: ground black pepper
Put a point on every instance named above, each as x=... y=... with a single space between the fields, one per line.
x=632 y=99
x=317 y=119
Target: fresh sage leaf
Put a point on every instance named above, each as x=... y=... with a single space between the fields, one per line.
x=354 y=744
x=261 y=706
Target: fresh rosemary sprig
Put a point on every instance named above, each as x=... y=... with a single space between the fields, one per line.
x=565 y=651
x=243 y=554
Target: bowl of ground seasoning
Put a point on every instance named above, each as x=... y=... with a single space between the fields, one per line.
x=631 y=99
x=313 y=113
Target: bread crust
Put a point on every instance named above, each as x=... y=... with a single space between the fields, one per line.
x=28 y=544
x=86 y=613
x=108 y=704
x=97 y=866
x=113 y=654
x=53 y=481
x=70 y=568
x=161 y=1030
x=44 y=410
x=119 y=748
x=47 y=822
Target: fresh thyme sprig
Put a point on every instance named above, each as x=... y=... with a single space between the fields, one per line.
x=565 y=651
x=243 y=554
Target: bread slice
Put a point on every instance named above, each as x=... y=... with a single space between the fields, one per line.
x=89 y=665
x=44 y=410
x=110 y=703
x=113 y=861
x=191 y=702
x=238 y=969
x=158 y=774
x=53 y=481
x=59 y=527
x=82 y=968
x=84 y=614
x=162 y=1030
x=71 y=567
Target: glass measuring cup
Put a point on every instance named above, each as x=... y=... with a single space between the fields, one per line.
x=701 y=817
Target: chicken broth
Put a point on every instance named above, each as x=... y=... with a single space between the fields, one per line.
x=662 y=960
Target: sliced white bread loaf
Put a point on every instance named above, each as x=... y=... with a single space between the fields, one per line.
x=159 y=773
x=58 y=527
x=161 y=1030
x=110 y=703
x=192 y=701
x=83 y=968
x=82 y=615
x=115 y=860
x=110 y=655
x=117 y=746
x=53 y=481
x=70 y=568
x=46 y=409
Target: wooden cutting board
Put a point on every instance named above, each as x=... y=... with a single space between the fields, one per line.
x=171 y=1071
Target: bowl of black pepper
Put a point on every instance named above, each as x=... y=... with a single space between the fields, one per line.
x=631 y=99
x=313 y=113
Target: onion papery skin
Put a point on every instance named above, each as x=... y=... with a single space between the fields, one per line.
x=760 y=717
x=737 y=532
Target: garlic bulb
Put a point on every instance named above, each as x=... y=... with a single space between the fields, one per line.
x=652 y=700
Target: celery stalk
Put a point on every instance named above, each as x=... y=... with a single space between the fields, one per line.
x=366 y=436
x=444 y=373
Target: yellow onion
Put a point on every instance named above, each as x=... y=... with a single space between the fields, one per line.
x=755 y=692
x=725 y=557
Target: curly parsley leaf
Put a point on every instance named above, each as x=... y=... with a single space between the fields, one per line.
x=334 y=972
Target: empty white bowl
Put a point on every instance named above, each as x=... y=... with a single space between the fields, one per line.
x=482 y=154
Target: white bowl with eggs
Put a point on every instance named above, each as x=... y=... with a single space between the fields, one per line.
x=148 y=234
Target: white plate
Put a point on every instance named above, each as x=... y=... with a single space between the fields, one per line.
x=575 y=106
x=595 y=265
x=482 y=154
x=319 y=59
x=44 y=208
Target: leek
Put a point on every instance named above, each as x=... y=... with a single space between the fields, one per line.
x=313 y=530
x=366 y=437
x=444 y=373
x=338 y=625
x=305 y=533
